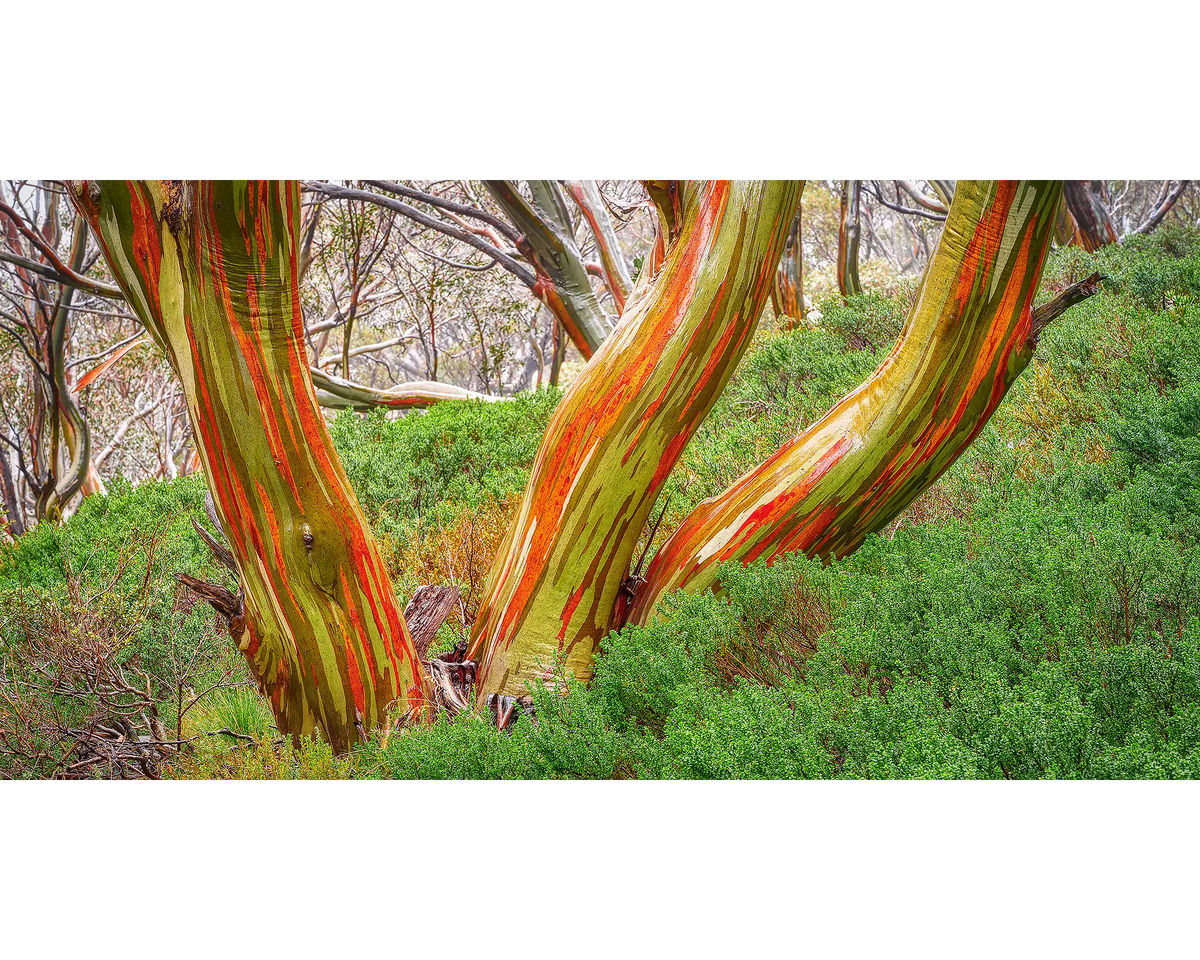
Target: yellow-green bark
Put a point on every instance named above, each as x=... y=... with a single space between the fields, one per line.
x=968 y=336
x=623 y=423
x=211 y=269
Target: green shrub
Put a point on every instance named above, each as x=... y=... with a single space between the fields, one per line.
x=442 y=461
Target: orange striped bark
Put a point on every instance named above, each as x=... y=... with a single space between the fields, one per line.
x=623 y=423
x=211 y=269
x=968 y=337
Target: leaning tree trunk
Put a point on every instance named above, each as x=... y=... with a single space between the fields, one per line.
x=1094 y=226
x=562 y=279
x=787 y=296
x=849 y=234
x=622 y=425
x=588 y=198
x=969 y=335
x=211 y=269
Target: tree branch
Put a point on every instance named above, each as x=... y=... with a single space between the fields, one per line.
x=929 y=203
x=877 y=193
x=1163 y=208
x=1075 y=293
x=461 y=209
x=71 y=277
x=65 y=276
x=517 y=269
x=337 y=394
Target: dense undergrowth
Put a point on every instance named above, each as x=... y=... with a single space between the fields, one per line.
x=1035 y=614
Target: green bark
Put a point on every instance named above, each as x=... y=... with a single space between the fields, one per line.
x=787 y=296
x=212 y=270
x=849 y=235
x=560 y=575
x=970 y=334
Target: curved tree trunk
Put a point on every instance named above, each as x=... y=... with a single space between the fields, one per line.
x=211 y=269
x=787 y=296
x=70 y=425
x=968 y=337
x=623 y=424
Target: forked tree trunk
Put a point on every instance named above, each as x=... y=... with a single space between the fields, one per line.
x=1094 y=226
x=622 y=425
x=849 y=234
x=968 y=337
x=787 y=296
x=211 y=269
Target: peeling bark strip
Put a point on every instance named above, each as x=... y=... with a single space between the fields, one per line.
x=623 y=424
x=968 y=337
x=211 y=269
x=426 y=612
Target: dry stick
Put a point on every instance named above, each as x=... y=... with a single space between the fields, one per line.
x=426 y=612
x=1075 y=293
x=650 y=539
x=219 y=550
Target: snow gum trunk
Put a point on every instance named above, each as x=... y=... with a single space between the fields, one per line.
x=968 y=337
x=211 y=269
x=560 y=577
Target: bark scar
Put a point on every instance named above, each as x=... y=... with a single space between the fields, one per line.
x=172 y=208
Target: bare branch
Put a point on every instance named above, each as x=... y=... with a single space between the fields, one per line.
x=877 y=193
x=931 y=204
x=449 y=206
x=1075 y=293
x=1163 y=207
x=517 y=269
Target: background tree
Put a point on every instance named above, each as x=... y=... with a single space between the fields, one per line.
x=532 y=234
x=59 y=326
x=787 y=296
x=1140 y=206
x=848 y=239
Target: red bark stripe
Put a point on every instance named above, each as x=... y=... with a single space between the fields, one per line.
x=359 y=634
